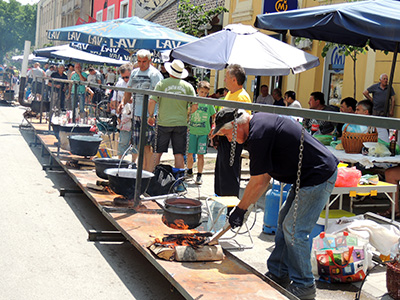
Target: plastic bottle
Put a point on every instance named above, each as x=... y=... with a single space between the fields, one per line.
x=393 y=142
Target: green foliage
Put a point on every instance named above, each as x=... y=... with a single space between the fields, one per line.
x=17 y=24
x=191 y=18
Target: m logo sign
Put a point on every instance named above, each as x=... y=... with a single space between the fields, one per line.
x=279 y=5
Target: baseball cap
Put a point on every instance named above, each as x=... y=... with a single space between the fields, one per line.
x=225 y=116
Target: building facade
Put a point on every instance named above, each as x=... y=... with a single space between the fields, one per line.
x=53 y=14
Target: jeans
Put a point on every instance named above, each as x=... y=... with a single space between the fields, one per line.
x=81 y=101
x=294 y=260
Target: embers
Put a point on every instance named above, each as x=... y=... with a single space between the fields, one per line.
x=194 y=240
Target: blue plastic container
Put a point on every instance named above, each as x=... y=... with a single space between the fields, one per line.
x=271 y=212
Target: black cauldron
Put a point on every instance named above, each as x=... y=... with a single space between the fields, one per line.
x=84 y=145
x=110 y=163
x=76 y=128
x=122 y=181
x=185 y=209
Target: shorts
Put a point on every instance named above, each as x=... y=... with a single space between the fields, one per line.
x=150 y=134
x=37 y=87
x=124 y=142
x=177 y=135
x=198 y=144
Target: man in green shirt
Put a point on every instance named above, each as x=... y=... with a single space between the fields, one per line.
x=172 y=114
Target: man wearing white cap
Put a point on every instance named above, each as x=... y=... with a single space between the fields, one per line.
x=172 y=113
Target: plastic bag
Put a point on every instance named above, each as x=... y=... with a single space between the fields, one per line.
x=339 y=258
x=348 y=177
x=377 y=149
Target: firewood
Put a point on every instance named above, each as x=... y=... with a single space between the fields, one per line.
x=206 y=253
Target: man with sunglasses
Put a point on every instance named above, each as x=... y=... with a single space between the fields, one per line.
x=144 y=77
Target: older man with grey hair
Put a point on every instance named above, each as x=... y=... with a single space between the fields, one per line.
x=379 y=95
x=144 y=77
x=59 y=89
x=278 y=148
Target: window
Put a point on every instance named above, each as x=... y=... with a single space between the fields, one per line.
x=110 y=12
x=123 y=11
x=99 y=16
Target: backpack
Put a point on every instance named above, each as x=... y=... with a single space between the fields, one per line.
x=162 y=181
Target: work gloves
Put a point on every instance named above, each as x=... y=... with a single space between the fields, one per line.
x=236 y=217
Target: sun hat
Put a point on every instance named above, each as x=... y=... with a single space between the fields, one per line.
x=176 y=69
x=225 y=116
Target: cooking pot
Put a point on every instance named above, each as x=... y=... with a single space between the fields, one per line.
x=75 y=128
x=84 y=145
x=35 y=106
x=71 y=129
x=185 y=209
x=122 y=181
x=56 y=130
x=108 y=163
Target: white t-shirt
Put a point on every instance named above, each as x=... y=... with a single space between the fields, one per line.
x=265 y=100
x=111 y=77
x=295 y=104
x=143 y=80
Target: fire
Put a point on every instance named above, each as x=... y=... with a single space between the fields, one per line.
x=108 y=189
x=194 y=240
x=177 y=224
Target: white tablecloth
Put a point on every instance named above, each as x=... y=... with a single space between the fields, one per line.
x=366 y=160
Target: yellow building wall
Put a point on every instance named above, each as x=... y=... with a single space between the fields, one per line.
x=245 y=12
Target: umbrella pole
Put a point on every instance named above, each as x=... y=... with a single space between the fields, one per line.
x=387 y=106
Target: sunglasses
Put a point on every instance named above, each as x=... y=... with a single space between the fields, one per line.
x=125 y=77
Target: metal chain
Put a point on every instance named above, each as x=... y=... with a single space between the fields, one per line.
x=296 y=197
x=233 y=141
x=187 y=139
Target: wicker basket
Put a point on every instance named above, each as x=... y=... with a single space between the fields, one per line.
x=353 y=142
x=393 y=279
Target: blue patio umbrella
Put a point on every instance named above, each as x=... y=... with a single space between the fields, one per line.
x=354 y=23
x=127 y=33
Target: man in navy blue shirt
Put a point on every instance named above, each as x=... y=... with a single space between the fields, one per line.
x=273 y=142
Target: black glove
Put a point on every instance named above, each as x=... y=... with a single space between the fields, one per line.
x=236 y=217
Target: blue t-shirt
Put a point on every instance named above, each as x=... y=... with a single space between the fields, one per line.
x=273 y=144
x=143 y=80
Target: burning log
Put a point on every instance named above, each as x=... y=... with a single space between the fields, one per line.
x=187 y=247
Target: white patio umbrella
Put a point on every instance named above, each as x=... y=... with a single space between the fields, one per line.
x=257 y=53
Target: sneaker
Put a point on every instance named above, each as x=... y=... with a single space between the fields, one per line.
x=283 y=282
x=303 y=293
x=180 y=187
x=198 y=181
x=189 y=176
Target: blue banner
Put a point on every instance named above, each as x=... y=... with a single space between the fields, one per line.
x=271 y=6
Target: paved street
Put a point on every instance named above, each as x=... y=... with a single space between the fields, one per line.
x=44 y=249
x=44 y=246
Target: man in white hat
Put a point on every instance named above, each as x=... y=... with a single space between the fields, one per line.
x=172 y=114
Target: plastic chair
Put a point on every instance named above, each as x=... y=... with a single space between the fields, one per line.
x=224 y=204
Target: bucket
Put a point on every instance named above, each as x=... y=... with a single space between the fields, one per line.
x=272 y=198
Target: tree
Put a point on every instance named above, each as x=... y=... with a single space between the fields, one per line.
x=192 y=18
x=17 y=24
